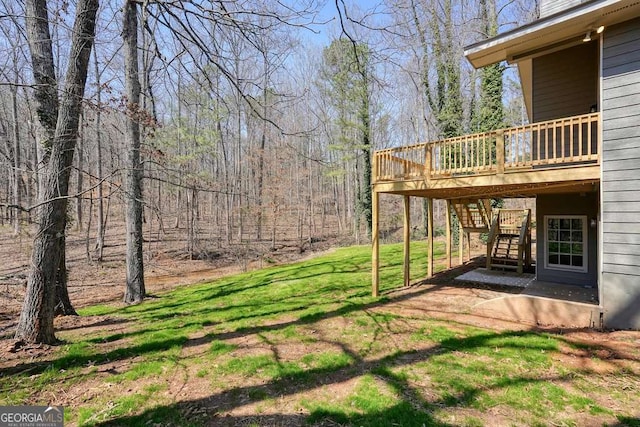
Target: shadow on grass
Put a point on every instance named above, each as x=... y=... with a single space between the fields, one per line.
x=71 y=361
x=628 y=422
x=411 y=408
x=265 y=277
x=402 y=414
x=111 y=321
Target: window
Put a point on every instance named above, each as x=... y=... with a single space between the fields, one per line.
x=566 y=242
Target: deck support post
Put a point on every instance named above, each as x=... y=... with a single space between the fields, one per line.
x=430 y=237
x=375 y=243
x=460 y=243
x=528 y=246
x=407 y=240
x=448 y=230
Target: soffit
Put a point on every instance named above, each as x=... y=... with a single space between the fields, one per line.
x=552 y=32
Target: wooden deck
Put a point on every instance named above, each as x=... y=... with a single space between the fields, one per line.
x=556 y=155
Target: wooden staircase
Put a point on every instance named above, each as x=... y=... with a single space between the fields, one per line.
x=505 y=251
x=509 y=242
x=474 y=214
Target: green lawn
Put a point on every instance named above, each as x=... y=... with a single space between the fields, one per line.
x=306 y=344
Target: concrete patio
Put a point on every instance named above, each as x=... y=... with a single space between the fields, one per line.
x=533 y=301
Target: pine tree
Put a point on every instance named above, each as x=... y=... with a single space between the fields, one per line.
x=347 y=72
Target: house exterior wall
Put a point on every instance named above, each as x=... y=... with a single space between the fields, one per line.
x=621 y=175
x=575 y=204
x=549 y=7
x=565 y=83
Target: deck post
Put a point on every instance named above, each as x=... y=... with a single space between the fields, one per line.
x=375 y=243
x=528 y=245
x=407 y=240
x=460 y=243
x=448 y=230
x=499 y=152
x=430 y=237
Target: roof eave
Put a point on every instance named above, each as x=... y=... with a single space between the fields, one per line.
x=564 y=27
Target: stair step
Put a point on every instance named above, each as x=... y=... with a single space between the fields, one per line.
x=506 y=251
x=504 y=259
x=509 y=266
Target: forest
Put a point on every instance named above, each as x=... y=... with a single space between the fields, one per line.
x=231 y=127
x=186 y=223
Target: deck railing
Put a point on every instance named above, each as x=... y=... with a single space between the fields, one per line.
x=561 y=142
x=510 y=220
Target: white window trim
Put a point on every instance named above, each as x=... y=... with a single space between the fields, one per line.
x=585 y=248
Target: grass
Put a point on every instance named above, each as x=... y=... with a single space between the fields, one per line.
x=308 y=343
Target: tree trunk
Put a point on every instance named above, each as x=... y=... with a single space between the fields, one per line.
x=190 y=223
x=17 y=175
x=88 y=235
x=47 y=105
x=365 y=123
x=135 y=290
x=36 y=319
x=63 y=303
x=98 y=129
x=80 y=172
x=46 y=95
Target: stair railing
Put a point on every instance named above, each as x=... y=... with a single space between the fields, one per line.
x=493 y=234
x=486 y=210
x=524 y=240
x=508 y=220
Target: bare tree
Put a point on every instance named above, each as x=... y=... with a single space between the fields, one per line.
x=36 y=319
x=135 y=291
x=99 y=148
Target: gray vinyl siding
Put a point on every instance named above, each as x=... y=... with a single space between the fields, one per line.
x=621 y=175
x=575 y=204
x=565 y=83
x=549 y=7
